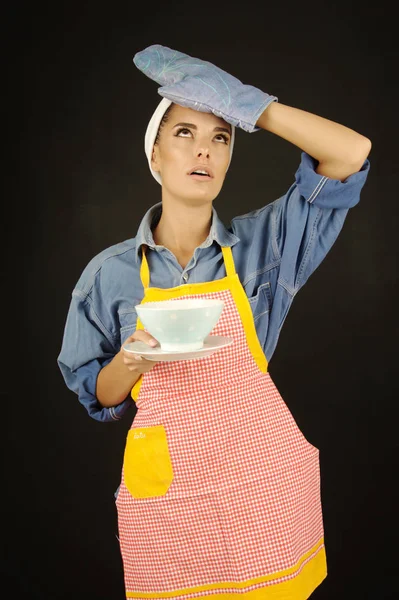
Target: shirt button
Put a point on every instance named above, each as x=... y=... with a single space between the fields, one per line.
x=185 y=277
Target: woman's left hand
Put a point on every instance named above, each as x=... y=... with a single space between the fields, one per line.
x=202 y=86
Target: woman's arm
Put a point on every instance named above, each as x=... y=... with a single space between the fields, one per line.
x=115 y=380
x=339 y=150
x=186 y=80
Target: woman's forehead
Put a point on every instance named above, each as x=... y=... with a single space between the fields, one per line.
x=200 y=119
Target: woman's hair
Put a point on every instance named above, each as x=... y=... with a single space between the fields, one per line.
x=162 y=123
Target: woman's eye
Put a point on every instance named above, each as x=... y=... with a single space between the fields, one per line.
x=223 y=138
x=184 y=132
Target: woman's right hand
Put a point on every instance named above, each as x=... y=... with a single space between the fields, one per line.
x=134 y=362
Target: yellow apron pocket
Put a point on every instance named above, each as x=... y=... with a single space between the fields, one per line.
x=147 y=466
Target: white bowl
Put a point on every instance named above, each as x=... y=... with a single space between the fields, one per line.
x=180 y=325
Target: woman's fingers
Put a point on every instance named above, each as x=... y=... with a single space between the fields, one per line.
x=135 y=362
x=143 y=336
x=129 y=358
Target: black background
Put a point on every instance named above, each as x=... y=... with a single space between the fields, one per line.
x=77 y=109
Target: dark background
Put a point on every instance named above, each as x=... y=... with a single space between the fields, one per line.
x=77 y=109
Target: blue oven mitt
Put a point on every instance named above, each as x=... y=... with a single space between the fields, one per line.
x=200 y=85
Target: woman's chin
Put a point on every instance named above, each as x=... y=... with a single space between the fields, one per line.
x=192 y=197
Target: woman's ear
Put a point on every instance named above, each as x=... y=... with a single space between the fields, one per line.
x=155 y=160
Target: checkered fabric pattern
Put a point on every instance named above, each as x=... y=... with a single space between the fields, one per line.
x=245 y=498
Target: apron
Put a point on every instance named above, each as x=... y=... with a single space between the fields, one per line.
x=220 y=490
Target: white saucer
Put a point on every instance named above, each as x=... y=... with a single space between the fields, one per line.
x=212 y=344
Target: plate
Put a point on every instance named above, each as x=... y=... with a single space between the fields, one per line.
x=212 y=343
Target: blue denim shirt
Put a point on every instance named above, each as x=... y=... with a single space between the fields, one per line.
x=275 y=249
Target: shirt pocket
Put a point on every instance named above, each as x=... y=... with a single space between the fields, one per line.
x=261 y=303
x=127 y=322
x=147 y=466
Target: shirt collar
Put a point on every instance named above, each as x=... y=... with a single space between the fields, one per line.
x=218 y=231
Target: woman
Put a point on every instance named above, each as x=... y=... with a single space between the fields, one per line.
x=220 y=491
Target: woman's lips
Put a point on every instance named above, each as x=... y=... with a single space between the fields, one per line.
x=201 y=177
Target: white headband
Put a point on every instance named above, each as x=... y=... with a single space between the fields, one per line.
x=152 y=130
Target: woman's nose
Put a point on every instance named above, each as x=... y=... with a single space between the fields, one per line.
x=203 y=152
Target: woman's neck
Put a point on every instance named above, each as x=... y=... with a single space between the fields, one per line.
x=182 y=229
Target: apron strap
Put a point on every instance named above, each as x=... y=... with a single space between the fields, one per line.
x=145 y=271
x=228 y=261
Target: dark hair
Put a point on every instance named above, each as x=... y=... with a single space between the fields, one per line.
x=164 y=119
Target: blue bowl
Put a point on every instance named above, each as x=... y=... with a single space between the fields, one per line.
x=180 y=325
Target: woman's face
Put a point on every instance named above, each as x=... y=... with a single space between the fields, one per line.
x=192 y=141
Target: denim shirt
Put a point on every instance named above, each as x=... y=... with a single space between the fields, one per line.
x=275 y=249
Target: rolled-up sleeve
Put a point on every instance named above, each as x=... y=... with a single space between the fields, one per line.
x=309 y=218
x=324 y=192
x=87 y=347
x=305 y=223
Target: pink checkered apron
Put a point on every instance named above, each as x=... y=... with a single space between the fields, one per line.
x=220 y=490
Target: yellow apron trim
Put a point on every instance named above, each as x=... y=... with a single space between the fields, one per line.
x=136 y=388
x=298 y=588
x=148 y=470
x=231 y=282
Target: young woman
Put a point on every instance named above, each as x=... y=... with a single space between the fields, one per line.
x=220 y=490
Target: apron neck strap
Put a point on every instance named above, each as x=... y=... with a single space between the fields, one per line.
x=145 y=271
x=228 y=261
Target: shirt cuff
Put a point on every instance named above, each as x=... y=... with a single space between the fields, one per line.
x=326 y=192
x=117 y=412
x=86 y=379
